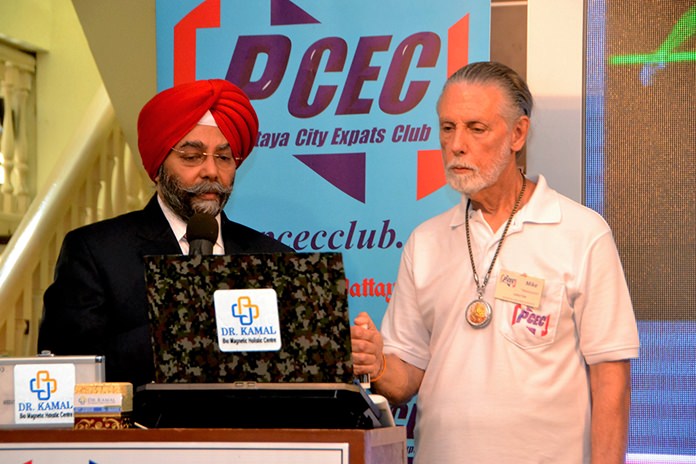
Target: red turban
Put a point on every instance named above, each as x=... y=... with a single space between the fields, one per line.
x=172 y=113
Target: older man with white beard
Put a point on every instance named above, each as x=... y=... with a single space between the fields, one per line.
x=511 y=318
x=192 y=138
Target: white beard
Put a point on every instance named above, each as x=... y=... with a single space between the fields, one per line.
x=478 y=179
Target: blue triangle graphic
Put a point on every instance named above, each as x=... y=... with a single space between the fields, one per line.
x=285 y=12
x=345 y=171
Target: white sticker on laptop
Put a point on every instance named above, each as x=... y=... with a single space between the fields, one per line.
x=247 y=320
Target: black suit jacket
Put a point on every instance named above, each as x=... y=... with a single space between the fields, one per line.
x=97 y=302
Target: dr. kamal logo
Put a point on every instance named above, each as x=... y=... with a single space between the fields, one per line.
x=245 y=311
x=43 y=385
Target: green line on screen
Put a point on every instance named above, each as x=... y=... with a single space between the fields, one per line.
x=651 y=58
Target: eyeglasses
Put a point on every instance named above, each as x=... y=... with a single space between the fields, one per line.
x=224 y=159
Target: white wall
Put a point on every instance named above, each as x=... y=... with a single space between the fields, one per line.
x=555 y=76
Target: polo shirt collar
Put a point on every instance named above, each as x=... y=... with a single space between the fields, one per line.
x=543 y=208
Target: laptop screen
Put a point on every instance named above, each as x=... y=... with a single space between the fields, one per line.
x=312 y=325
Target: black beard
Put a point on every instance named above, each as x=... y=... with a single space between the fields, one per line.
x=183 y=201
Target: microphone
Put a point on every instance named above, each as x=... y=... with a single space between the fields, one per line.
x=201 y=233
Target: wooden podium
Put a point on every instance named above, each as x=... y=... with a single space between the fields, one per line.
x=243 y=446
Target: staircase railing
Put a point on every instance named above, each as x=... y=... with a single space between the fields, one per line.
x=97 y=178
x=17 y=70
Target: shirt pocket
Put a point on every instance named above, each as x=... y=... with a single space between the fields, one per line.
x=529 y=327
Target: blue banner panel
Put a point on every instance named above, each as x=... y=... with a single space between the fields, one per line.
x=348 y=156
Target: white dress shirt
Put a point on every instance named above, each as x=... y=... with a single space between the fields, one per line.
x=179 y=228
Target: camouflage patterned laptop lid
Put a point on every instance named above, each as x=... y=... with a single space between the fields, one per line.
x=312 y=311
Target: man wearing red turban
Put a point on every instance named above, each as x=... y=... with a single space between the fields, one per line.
x=192 y=138
x=172 y=113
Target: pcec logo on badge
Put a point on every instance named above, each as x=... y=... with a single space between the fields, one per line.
x=247 y=320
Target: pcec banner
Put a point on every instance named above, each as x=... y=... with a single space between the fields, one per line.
x=348 y=156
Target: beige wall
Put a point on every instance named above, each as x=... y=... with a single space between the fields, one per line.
x=67 y=76
x=122 y=36
x=16 y=16
x=66 y=36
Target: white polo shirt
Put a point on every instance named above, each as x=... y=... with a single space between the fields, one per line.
x=514 y=391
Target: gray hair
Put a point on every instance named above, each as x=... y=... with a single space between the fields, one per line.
x=490 y=72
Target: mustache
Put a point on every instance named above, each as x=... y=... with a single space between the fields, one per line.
x=183 y=199
x=460 y=165
x=207 y=186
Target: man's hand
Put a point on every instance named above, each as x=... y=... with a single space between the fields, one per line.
x=367 y=346
x=397 y=380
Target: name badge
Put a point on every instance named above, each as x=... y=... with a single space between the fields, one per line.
x=519 y=288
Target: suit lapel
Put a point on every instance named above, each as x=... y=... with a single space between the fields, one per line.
x=231 y=246
x=155 y=234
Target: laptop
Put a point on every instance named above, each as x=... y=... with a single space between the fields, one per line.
x=266 y=333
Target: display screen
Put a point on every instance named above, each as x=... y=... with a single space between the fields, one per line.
x=640 y=174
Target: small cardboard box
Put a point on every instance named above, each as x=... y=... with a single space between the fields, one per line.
x=107 y=405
